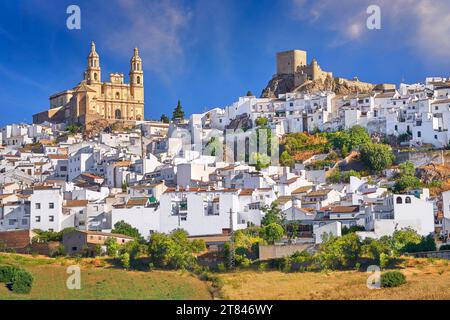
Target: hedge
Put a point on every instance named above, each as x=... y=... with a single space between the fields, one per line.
x=392 y=279
x=20 y=279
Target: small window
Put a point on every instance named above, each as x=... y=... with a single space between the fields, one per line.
x=407 y=200
x=419 y=134
x=38 y=218
x=51 y=205
x=51 y=218
x=37 y=206
x=399 y=200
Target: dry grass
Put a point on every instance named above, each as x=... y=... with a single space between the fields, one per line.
x=101 y=281
x=426 y=279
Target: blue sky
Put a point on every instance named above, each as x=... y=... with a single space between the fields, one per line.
x=209 y=52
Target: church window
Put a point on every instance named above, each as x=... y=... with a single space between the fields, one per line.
x=95 y=76
x=118 y=114
x=117 y=95
x=138 y=80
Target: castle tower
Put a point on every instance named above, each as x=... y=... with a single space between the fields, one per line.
x=136 y=76
x=92 y=75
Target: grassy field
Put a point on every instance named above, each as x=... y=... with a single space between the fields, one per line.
x=102 y=281
x=426 y=279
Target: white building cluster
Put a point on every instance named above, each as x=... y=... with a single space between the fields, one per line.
x=158 y=177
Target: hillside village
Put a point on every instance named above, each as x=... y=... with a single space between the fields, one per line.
x=371 y=158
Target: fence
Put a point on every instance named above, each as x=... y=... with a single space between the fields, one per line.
x=445 y=254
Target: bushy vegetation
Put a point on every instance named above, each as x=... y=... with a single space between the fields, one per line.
x=47 y=236
x=444 y=247
x=74 y=128
x=164 y=119
x=352 y=229
x=406 y=180
x=392 y=279
x=377 y=156
x=174 y=251
x=337 y=176
x=21 y=281
x=261 y=121
x=349 y=251
x=121 y=227
x=178 y=112
x=348 y=140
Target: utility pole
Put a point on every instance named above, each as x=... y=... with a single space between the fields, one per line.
x=231 y=262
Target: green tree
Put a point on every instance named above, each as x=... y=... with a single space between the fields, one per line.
x=121 y=227
x=339 y=252
x=377 y=156
x=334 y=176
x=261 y=121
x=407 y=168
x=404 y=239
x=405 y=183
x=358 y=136
x=286 y=160
x=124 y=186
x=178 y=113
x=351 y=173
x=272 y=232
x=249 y=93
x=175 y=250
x=112 y=247
x=164 y=118
x=272 y=214
x=348 y=140
x=260 y=161
x=125 y=260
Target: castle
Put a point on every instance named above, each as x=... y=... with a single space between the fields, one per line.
x=294 y=63
x=93 y=99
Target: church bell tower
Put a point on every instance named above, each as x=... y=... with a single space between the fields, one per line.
x=92 y=75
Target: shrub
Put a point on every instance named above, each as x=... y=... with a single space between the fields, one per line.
x=22 y=282
x=301 y=261
x=384 y=260
x=125 y=260
x=7 y=273
x=392 y=279
x=221 y=267
x=59 y=252
x=444 y=247
x=20 y=279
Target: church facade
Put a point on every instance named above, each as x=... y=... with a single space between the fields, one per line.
x=92 y=99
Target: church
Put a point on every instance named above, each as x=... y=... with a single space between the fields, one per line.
x=93 y=99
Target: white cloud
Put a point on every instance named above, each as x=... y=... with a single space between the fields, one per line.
x=423 y=25
x=155 y=27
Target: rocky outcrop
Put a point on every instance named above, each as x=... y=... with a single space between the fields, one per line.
x=284 y=83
